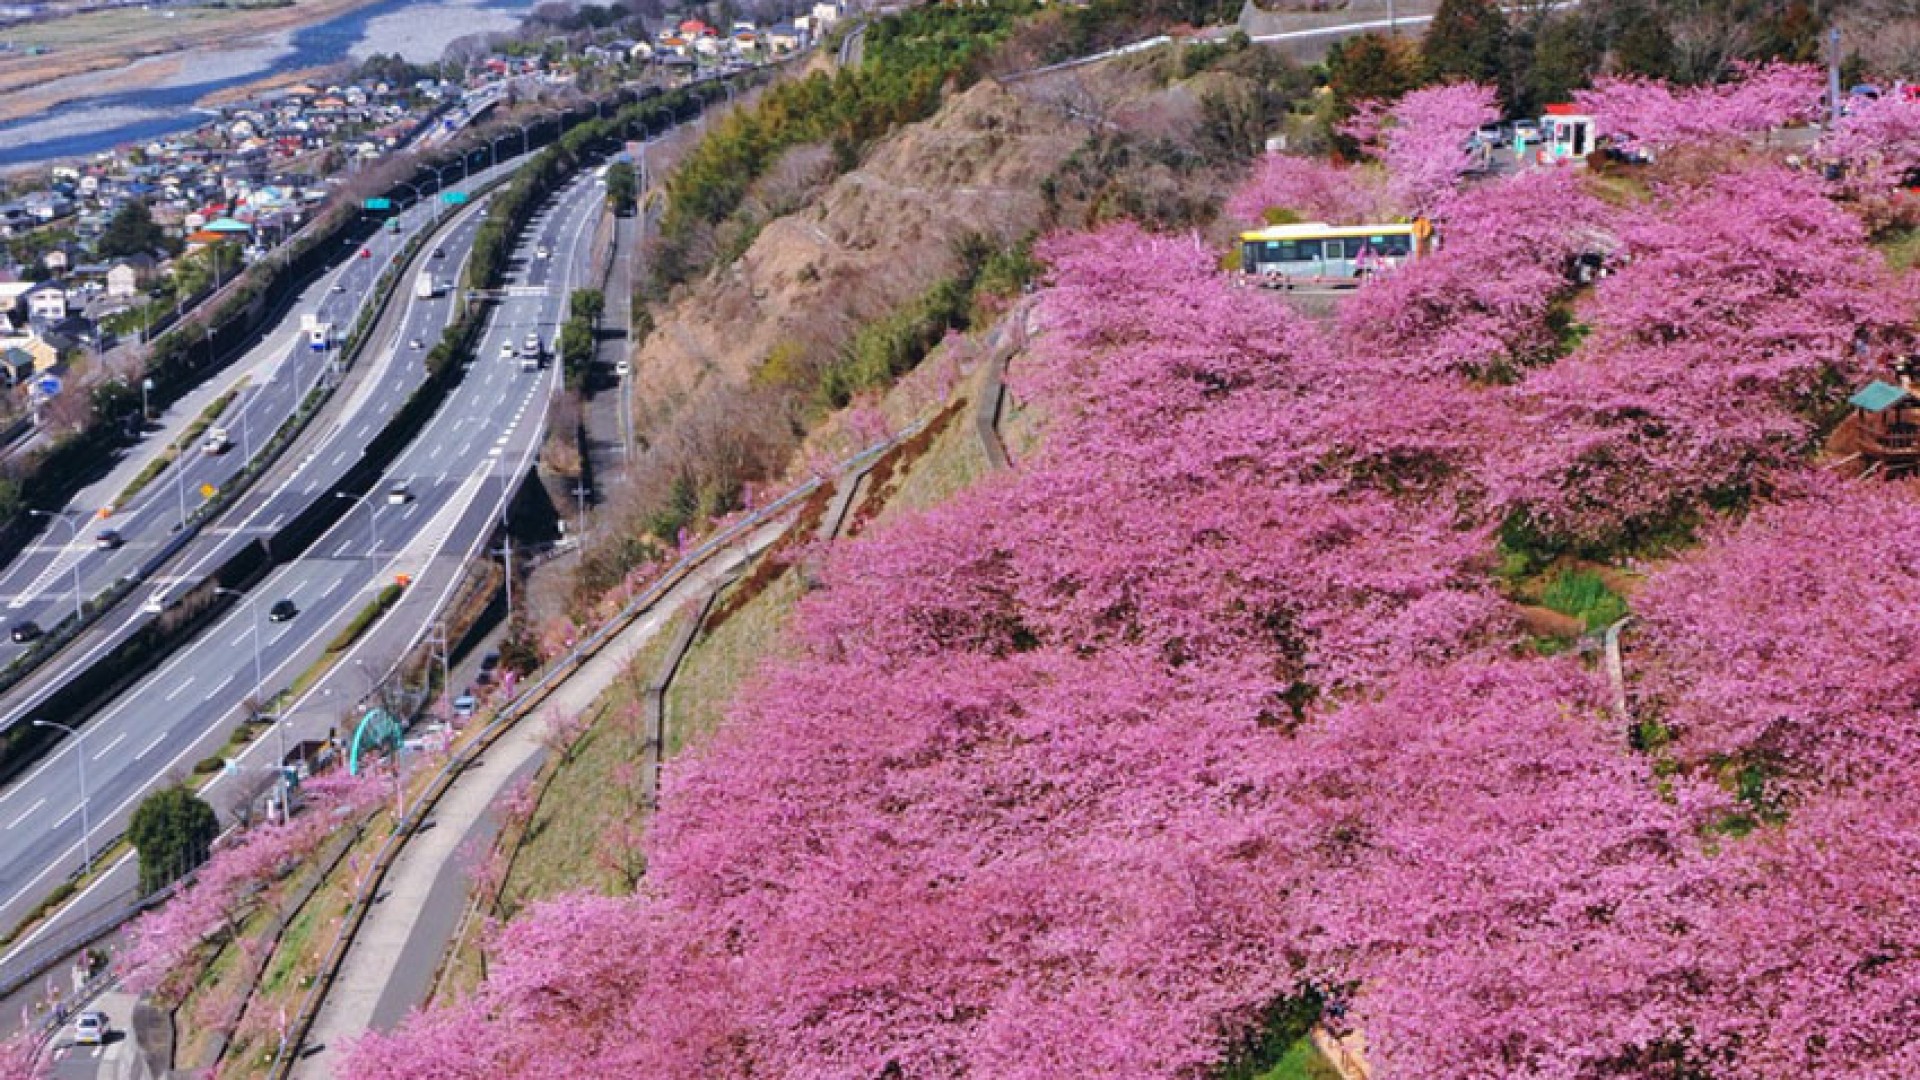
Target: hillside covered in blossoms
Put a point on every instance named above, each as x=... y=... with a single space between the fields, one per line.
x=1231 y=702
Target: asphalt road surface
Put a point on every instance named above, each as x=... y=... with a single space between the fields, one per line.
x=185 y=709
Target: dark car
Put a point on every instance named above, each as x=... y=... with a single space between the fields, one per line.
x=25 y=632
x=439 y=253
x=107 y=539
x=281 y=611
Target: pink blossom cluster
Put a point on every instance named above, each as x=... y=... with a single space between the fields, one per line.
x=1422 y=139
x=1309 y=189
x=1877 y=147
x=160 y=943
x=1639 y=113
x=1212 y=703
x=1715 y=354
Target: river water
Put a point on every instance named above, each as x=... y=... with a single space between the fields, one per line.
x=418 y=30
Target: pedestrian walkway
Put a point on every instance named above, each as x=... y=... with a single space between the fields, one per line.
x=399 y=946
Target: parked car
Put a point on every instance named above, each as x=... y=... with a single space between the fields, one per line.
x=622 y=368
x=107 y=539
x=488 y=663
x=281 y=611
x=90 y=1028
x=464 y=705
x=1493 y=135
x=366 y=253
x=24 y=632
x=1526 y=130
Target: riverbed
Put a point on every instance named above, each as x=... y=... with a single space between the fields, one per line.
x=163 y=95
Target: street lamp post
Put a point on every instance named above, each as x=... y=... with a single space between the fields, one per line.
x=373 y=530
x=259 y=671
x=86 y=827
x=180 y=486
x=146 y=385
x=73 y=534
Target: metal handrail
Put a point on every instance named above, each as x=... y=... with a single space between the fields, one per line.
x=525 y=704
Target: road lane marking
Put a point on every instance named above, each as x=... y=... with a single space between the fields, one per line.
x=152 y=746
x=31 y=810
x=181 y=689
x=65 y=817
x=108 y=749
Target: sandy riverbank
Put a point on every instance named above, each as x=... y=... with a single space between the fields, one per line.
x=129 y=49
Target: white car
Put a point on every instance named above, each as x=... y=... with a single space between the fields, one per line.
x=506 y=350
x=622 y=368
x=90 y=1029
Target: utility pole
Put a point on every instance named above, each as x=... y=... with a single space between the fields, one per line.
x=1833 y=77
x=505 y=550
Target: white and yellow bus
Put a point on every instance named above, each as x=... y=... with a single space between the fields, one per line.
x=1316 y=253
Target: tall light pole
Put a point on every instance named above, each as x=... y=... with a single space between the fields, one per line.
x=1833 y=77
x=179 y=483
x=73 y=534
x=259 y=670
x=86 y=827
x=373 y=531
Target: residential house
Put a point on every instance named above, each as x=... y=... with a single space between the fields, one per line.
x=46 y=302
x=44 y=356
x=16 y=365
x=127 y=277
x=785 y=37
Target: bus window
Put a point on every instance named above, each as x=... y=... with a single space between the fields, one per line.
x=1396 y=246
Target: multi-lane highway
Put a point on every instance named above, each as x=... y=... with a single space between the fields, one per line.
x=39 y=586
x=458 y=472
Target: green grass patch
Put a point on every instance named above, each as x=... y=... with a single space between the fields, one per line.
x=204 y=421
x=1301 y=1062
x=1584 y=596
x=557 y=851
x=145 y=476
x=721 y=660
x=362 y=619
x=1902 y=248
x=953 y=461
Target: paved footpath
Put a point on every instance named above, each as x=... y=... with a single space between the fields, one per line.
x=390 y=964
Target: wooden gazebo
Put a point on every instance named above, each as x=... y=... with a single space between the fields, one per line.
x=1887 y=426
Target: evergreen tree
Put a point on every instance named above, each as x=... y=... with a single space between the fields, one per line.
x=1563 y=58
x=1641 y=43
x=172 y=831
x=1371 y=67
x=131 y=232
x=1466 y=41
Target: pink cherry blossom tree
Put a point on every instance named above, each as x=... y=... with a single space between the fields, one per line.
x=1309 y=189
x=1713 y=355
x=1422 y=139
x=1638 y=113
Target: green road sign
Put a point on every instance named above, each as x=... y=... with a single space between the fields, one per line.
x=379 y=204
x=453 y=198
